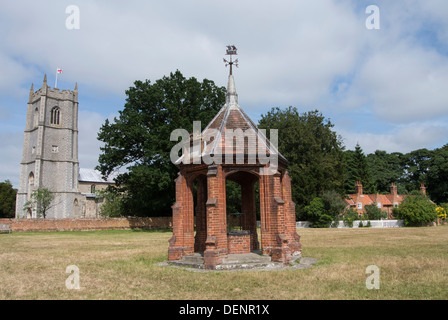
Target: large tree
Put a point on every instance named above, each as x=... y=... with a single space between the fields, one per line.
x=416 y=166
x=7 y=200
x=437 y=176
x=385 y=169
x=314 y=152
x=356 y=169
x=139 y=139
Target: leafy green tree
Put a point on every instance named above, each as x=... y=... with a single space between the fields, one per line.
x=437 y=175
x=333 y=203
x=112 y=202
x=41 y=200
x=416 y=210
x=316 y=214
x=373 y=212
x=314 y=151
x=7 y=200
x=350 y=215
x=357 y=169
x=233 y=197
x=139 y=138
x=385 y=169
x=417 y=165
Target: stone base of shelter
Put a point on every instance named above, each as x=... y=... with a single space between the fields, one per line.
x=255 y=260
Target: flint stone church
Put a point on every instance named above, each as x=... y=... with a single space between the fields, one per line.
x=50 y=158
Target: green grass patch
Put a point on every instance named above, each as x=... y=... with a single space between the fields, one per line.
x=124 y=264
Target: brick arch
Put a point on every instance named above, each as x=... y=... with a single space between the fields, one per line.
x=246 y=178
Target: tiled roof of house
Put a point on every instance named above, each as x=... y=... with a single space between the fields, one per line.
x=385 y=200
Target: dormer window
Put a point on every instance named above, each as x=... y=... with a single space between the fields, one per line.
x=55 y=116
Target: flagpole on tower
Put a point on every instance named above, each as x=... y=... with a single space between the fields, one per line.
x=58 y=71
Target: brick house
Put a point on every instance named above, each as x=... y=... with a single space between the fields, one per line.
x=386 y=202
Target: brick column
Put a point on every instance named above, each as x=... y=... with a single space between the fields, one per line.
x=201 y=212
x=268 y=219
x=290 y=217
x=278 y=235
x=216 y=242
x=180 y=242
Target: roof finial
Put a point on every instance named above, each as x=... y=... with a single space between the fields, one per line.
x=231 y=50
x=45 y=79
x=31 y=90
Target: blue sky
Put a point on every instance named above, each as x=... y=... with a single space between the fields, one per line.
x=385 y=89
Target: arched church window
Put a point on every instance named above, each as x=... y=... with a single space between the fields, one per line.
x=30 y=185
x=76 y=212
x=31 y=179
x=92 y=188
x=55 y=115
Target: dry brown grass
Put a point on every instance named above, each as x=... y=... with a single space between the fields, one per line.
x=413 y=264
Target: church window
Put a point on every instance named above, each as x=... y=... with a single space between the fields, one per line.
x=30 y=185
x=92 y=188
x=55 y=115
x=31 y=179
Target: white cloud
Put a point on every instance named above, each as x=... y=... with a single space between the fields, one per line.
x=89 y=124
x=405 y=84
x=11 y=145
x=404 y=139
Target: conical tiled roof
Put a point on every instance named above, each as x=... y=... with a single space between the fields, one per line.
x=232 y=123
x=232 y=132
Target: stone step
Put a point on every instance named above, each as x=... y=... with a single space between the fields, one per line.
x=232 y=261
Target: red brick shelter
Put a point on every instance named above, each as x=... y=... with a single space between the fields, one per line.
x=228 y=149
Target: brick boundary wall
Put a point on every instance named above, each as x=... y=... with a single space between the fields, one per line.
x=23 y=225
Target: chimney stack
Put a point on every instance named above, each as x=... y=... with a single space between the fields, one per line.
x=393 y=189
x=423 y=189
x=358 y=188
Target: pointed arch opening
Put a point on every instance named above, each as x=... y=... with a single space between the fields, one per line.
x=242 y=205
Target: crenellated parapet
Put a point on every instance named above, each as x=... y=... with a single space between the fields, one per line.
x=53 y=93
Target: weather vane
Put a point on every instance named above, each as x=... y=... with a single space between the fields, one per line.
x=231 y=50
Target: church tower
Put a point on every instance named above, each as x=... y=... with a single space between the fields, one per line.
x=50 y=152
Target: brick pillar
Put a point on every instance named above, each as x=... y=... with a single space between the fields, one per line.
x=216 y=242
x=267 y=230
x=175 y=250
x=279 y=238
x=181 y=243
x=290 y=218
x=201 y=213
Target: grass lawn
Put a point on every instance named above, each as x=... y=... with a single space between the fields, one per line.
x=413 y=264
